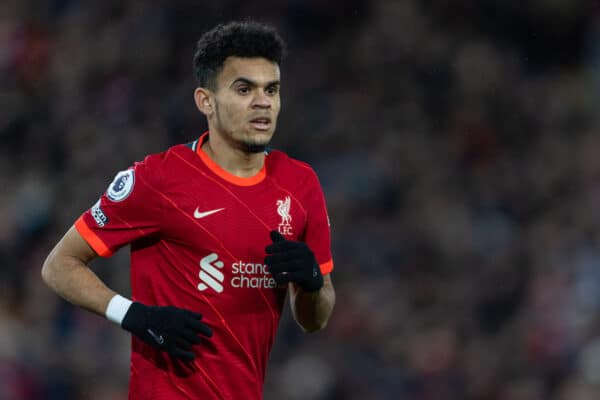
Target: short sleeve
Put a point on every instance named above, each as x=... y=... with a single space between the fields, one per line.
x=317 y=234
x=129 y=210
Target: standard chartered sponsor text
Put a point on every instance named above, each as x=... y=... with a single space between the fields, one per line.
x=241 y=275
x=251 y=275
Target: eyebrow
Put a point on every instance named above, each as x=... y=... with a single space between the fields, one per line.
x=253 y=83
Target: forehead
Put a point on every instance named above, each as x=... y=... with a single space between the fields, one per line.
x=259 y=70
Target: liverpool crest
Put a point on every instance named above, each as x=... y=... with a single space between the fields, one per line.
x=283 y=209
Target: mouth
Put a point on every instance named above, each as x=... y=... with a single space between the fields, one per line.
x=261 y=123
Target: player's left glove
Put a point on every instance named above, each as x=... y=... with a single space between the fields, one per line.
x=290 y=261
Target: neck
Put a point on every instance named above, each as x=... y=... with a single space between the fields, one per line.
x=236 y=161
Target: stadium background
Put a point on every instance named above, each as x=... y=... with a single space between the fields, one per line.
x=457 y=143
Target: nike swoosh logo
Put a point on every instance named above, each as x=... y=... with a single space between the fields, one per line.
x=198 y=214
x=159 y=338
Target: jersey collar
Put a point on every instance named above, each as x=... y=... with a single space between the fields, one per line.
x=223 y=174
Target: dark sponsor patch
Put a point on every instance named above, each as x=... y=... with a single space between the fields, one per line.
x=99 y=216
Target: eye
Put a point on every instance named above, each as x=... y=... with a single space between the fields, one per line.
x=272 y=90
x=243 y=90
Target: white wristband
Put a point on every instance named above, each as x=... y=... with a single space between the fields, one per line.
x=117 y=308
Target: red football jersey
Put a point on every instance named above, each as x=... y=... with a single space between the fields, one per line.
x=198 y=236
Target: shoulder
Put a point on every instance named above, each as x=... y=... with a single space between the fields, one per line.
x=155 y=168
x=282 y=167
x=164 y=159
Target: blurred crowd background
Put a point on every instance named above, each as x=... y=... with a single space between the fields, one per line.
x=457 y=144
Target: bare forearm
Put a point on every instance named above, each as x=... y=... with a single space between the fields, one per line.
x=76 y=283
x=66 y=272
x=312 y=310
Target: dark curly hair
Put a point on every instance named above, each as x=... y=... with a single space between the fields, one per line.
x=239 y=39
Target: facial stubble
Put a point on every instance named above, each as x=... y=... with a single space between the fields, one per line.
x=245 y=146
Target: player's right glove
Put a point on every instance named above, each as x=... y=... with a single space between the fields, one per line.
x=171 y=329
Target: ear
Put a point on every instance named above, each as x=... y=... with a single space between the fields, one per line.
x=204 y=100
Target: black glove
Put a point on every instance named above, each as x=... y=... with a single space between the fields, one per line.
x=290 y=261
x=171 y=329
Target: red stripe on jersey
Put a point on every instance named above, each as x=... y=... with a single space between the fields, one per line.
x=169 y=253
x=228 y=328
x=210 y=380
x=274 y=317
x=224 y=188
x=188 y=216
x=182 y=390
x=92 y=239
x=226 y=325
x=301 y=164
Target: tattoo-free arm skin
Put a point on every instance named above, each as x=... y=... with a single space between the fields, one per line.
x=66 y=272
x=312 y=310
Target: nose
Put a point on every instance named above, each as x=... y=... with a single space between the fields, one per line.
x=261 y=100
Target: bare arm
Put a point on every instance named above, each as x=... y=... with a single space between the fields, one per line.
x=168 y=329
x=66 y=272
x=312 y=310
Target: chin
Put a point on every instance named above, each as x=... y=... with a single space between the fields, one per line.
x=259 y=138
x=254 y=146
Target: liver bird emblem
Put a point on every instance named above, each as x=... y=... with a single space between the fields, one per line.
x=283 y=209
